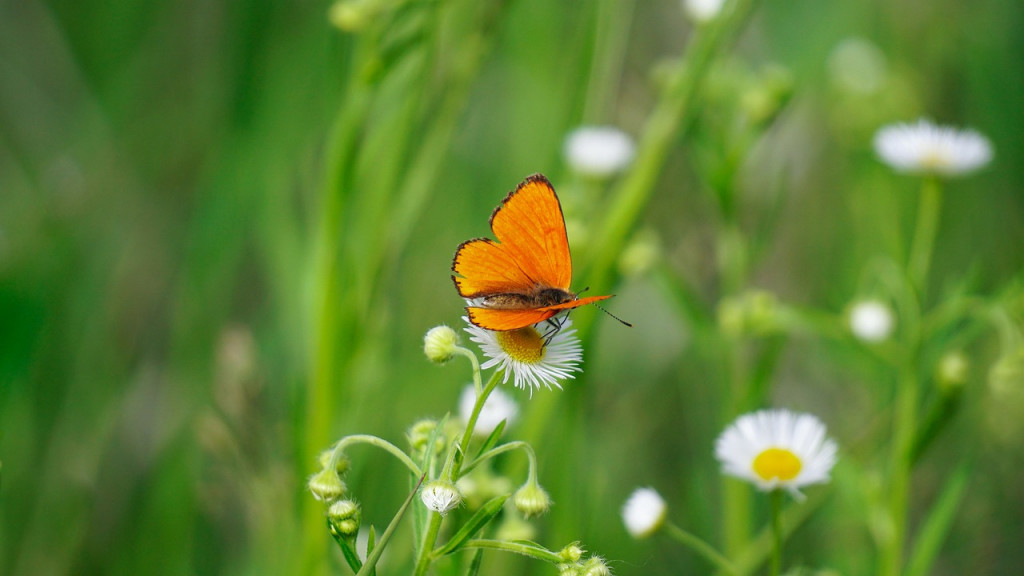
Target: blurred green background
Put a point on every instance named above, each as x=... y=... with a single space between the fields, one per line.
x=225 y=227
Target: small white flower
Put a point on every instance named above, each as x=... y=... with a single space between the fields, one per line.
x=598 y=151
x=703 y=10
x=440 y=496
x=930 y=149
x=526 y=354
x=777 y=449
x=644 y=512
x=871 y=321
x=498 y=406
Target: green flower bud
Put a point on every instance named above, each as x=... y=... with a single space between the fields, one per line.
x=439 y=344
x=326 y=485
x=595 y=566
x=531 y=500
x=344 y=516
x=419 y=435
x=571 y=553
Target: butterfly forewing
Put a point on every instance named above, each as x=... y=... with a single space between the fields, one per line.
x=497 y=319
x=530 y=226
x=487 y=268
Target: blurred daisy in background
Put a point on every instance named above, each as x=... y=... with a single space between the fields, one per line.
x=926 y=148
x=598 y=151
x=498 y=406
x=644 y=512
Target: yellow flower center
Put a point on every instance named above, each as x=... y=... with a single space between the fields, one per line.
x=522 y=344
x=777 y=463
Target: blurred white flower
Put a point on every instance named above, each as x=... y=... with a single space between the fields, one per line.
x=931 y=149
x=777 y=449
x=871 y=320
x=644 y=512
x=598 y=151
x=498 y=406
x=702 y=10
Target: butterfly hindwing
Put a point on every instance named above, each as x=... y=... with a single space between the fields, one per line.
x=498 y=319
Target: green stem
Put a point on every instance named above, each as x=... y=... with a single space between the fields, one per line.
x=347 y=441
x=434 y=519
x=901 y=466
x=531 y=550
x=776 y=504
x=508 y=447
x=928 y=211
x=702 y=548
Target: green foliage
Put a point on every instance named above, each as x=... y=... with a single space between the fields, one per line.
x=226 y=226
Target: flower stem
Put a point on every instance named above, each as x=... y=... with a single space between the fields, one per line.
x=702 y=548
x=901 y=466
x=928 y=211
x=776 y=504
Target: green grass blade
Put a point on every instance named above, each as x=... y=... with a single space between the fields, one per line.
x=936 y=525
x=482 y=516
x=373 y=557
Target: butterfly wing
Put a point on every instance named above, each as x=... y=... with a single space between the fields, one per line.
x=498 y=319
x=530 y=226
x=532 y=248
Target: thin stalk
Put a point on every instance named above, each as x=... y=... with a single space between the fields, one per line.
x=702 y=548
x=928 y=212
x=901 y=466
x=776 y=504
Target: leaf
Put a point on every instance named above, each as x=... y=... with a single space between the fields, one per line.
x=484 y=515
x=936 y=525
x=371 y=543
x=493 y=438
x=474 y=566
x=373 y=557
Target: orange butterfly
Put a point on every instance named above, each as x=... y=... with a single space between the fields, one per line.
x=524 y=277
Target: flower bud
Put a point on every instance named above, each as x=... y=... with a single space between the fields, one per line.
x=419 y=435
x=595 y=566
x=439 y=344
x=953 y=371
x=341 y=466
x=571 y=553
x=531 y=500
x=344 y=516
x=441 y=496
x=326 y=485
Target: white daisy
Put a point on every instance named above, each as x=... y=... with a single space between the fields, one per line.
x=644 y=512
x=528 y=356
x=871 y=320
x=777 y=449
x=930 y=149
x=598 y=151
x=498 y=406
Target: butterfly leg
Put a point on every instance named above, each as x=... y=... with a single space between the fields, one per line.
x=555 y=324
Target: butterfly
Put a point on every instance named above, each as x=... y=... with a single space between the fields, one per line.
x=522 y=278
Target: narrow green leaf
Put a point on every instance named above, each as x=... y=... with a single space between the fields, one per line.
x=493 y=438
x=474 y=566
x=470 y=528
x=936 y=525
x=350 y=554
x=371 y=543
x=372 y=557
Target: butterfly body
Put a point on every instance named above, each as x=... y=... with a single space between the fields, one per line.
x=522 y=278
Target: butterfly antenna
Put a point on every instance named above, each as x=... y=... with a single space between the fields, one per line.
x=613 y=315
